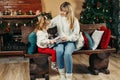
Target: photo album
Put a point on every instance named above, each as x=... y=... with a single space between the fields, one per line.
x=57 y=41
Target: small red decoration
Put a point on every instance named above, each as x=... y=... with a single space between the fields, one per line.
x=8 y=29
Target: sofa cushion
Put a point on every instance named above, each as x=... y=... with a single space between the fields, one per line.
x=32 y=43
x=90 y=41
x=96 y=36
x=86 y=45
x=80 y=42
x=105 y=38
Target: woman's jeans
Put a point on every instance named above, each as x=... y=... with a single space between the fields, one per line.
x=64 y=55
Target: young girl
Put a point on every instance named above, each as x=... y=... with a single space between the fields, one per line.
x=68 y=29
x=43 y=41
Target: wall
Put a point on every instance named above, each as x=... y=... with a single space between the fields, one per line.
x=53 y=6
x=23 y=5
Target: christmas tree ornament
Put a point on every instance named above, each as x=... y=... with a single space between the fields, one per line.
x=106 y=10
x=98 y=4
x=110 y=20
x=103 y=10
x=87 y=7
x=98 y=8
x=81 y=17
x=8 y=27
x=24 y=24
x=16 y=24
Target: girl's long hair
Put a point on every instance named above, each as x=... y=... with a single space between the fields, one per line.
x=70 y=13
x=41 y=25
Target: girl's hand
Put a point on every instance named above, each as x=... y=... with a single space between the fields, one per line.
x=52 y=41
x=64 y=39
x=37 y=12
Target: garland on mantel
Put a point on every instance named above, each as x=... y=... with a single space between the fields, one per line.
x=8 y=27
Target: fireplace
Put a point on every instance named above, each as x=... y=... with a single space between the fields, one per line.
x=12 y=42
x=14 y=34
x=17 y=18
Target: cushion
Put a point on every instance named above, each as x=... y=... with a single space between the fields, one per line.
x=85 y=40
x=32 y=43
x=90 y=41
x=96 y=36
x=80 y=42
x=105 y=38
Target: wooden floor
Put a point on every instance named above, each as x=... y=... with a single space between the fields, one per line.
x=14 y=68
x=80 y=71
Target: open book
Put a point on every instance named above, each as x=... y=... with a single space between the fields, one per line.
x=57 y=41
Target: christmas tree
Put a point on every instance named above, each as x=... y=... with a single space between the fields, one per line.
x=97 y=11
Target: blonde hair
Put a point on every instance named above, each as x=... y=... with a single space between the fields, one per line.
x=70 y=13
x=41 y=25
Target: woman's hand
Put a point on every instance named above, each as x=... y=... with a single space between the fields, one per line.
x=64 y=39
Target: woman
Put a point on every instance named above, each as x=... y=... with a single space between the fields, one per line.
x=68 y=29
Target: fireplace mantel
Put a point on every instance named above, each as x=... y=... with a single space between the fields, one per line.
x=17 y=16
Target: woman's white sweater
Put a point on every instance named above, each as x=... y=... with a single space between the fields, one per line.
x=63 y=28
